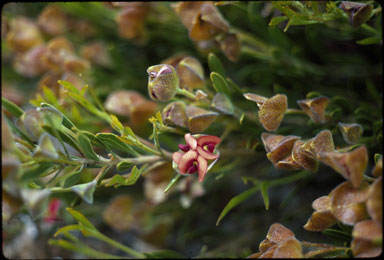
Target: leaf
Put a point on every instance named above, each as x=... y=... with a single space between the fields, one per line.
x=80 y=218
x=111 y=141
x=69 y=87
x=173 y=181
x=264 y=193
x=66 y=229
x=45 y=147
x=36 y=171
x=86 y=147
x=164 y=254
x=50 y=96
x=377 y=157
x=276 y=20
x=337 y=234
x=64 y=136
x=369 y=40
x=116 y=124
x=85 y=190
x=215 y=64
x=122 y=166
x=66 y=121
x=220 y=84
x=236 y=201
x=118 y=180
x=11 y=107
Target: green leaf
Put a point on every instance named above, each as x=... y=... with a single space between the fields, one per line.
x=80 y=218
x=164 y=254
x=85 y=191
x=369 y=40
x=232 y=85
x=86 y=147
x=118 y=180
x=236 y=201
x=337 y=234
x=264 y=193
x=66 y=229
x=278 y=19
x=313 y=94
x=172 y=182
x=215 y=64
x=66 y=121
x=11 y=107
x=220 y=84
x=63 y=135
x=69 y=87
x=377 y=157
x=122 y=166
x=116 y=124
x=36 y=171
x=111 y=141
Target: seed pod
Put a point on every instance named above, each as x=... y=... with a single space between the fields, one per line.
x=278 y=147
x=174 y=114
x=351 y=132
x=30 y=63
x=163 y=82
x=358 y=13
x=230 y=45
x=23 y=34
x=52 y=20
x=315 y=108
x=131 y=19
x=222 y=103
x=191 y=73
x=199 y=119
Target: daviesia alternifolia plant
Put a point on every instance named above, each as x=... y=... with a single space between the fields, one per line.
x=184 y=126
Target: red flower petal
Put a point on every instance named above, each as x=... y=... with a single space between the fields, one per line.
x=206 y=154
x=203 y=166
x=176 y=156
x=187 y=160
x=191 y=141
x=202 y=140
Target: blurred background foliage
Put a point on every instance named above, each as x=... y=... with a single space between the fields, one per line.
x=319 y=58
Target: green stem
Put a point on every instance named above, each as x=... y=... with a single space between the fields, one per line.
x=186 y=93
x=118 y=245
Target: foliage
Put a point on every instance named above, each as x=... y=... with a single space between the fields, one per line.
x=280 y=98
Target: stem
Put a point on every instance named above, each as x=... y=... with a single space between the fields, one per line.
x=119 y=245
x=294 y=111
x=186 y=93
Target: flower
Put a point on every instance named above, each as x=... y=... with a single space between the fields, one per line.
x=195 y=154
x=53 y=208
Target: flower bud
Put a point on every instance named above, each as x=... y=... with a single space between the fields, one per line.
x=163 y=82
x=174 y=114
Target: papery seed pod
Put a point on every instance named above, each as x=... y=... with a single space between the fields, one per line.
x=208 y=46
x=348 y=202
x=271 y=111
x=82 y=28
x=303 y=156
x=131 y=19
x=97 y=53
x=75 y=65
x=351 y=165
x=278 y=146
x=199 y=119
x=351 y=132
x=175 y=59
x=377 y=171
x=191 y=73
x=163 y=82
x=230 y=46
x=45 y=147
x=31 y=122
x=375 y=200
x=322 y=142
x=30 y=63
x=315 y=108
x=77 y=81
x=12 y=93
x=359 y=13
x=222 y=103
x=23 y=34
x=174 y=114
x=9 y=165
x=123 y=102
x=365 y=235
x=59 y=49
x=50 y=81
x=322 y=218
x=288 y=163
x=52 y=21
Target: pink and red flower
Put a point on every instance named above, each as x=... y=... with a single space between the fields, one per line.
x=194 y=155
x=53 y=208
